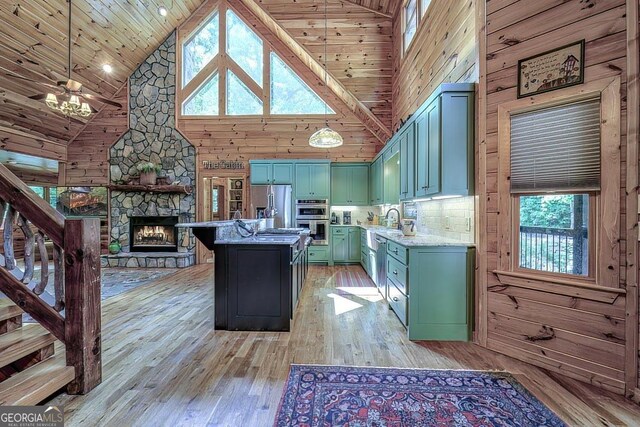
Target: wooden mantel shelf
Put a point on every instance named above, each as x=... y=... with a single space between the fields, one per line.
x=181 y=189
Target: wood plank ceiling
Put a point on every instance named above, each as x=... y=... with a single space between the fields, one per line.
x=33 y=44
x=359 y=52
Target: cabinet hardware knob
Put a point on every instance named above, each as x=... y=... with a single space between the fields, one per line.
x=395 y=272
x=395 y=299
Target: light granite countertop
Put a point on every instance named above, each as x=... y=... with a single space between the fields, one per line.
x=418 y=240
x=214 y=224
x=258 y=240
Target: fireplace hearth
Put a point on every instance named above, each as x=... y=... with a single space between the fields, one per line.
x=153 y=234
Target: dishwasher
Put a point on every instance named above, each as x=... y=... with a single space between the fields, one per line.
x=380 y=278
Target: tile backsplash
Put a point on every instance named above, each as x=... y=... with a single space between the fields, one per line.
x=453 y=218
x=358 y=213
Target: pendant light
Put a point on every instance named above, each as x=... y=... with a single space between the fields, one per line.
x=325 y=137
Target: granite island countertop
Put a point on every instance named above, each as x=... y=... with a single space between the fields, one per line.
x=289 y=240
x=420 y=239
x=215 y=224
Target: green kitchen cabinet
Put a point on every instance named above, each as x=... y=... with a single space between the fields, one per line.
x=441 y=293
x=457 y=155
x=350 y=184
x=318 y=254
x=345 y=244
x=391 y=177
x=407 y=163
x=376 y=182
x=427 y=161
x=312 y=180
x=271 y=172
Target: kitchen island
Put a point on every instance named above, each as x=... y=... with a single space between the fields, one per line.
x=257 y=279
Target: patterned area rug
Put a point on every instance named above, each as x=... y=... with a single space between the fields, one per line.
x=323 y=396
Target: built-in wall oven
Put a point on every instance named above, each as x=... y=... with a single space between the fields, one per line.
x=312 y=209
x=314 y=215
x=318 y=230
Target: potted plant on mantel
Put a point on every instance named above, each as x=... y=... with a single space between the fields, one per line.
x=148 y=172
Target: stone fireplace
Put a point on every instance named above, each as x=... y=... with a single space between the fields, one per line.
x=152 y=137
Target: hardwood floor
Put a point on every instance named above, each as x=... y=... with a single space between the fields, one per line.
x=165 y=366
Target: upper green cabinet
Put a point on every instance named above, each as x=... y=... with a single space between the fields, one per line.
x=376 y=182
x=391 y=174
x=350 y=184
x=436 y=145
x=407 y=163
x=427 y=137
x=271 y=172
x=312 y=180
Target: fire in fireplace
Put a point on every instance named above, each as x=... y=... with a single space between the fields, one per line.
x=154 y=234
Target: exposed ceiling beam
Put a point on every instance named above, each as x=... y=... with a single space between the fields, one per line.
x=370 y=9
x=34 y=145
x=370 y=121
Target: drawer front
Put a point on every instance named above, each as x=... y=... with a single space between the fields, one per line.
x=398 y=273
x=398 y=302
x=397 y=251
x=338 y=230
x=318 y=254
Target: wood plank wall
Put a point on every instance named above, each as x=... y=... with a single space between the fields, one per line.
x=88 y=152
x=442 y=51
x=579 y=334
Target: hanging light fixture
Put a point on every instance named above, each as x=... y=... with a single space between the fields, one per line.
x=70 y=105
x=325 y=137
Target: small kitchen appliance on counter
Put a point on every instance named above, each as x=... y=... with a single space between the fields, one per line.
x=346 y=218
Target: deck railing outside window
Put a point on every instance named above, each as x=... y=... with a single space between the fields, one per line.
x=553 y=233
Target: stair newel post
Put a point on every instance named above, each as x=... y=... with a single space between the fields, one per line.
x=83 y=336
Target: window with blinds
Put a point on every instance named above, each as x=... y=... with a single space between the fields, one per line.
x=556 y=148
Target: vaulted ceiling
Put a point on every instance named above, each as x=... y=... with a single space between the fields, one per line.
x=33 y=44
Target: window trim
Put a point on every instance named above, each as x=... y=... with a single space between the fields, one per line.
x=607 y=231
x=593 y=225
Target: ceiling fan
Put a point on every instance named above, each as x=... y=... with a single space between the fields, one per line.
x=74 y=101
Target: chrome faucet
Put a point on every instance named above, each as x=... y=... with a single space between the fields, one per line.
x=398 y=212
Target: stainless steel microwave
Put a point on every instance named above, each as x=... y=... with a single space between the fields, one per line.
x=312 y=209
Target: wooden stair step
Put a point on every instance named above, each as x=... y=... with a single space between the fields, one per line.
x=38 y=382
x=22 y=342
x=8 y=309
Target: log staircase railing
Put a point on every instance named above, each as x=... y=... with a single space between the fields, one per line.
x=73 y=315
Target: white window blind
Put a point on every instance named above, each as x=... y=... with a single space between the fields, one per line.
x=556 y=148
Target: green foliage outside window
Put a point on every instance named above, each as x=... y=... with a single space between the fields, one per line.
x=244 y=47
x=200 y=49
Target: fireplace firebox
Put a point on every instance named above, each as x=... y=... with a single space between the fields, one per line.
x=153 y=234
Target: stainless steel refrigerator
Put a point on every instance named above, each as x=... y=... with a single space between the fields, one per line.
x=272 y=202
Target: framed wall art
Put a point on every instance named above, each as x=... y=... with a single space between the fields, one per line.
x=555 y=69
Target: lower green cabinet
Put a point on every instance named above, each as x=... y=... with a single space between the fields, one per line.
x=345 y=244
x=318 y=254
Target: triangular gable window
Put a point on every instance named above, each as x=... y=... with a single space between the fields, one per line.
x=244 y=47
x=201 y=48
x=205 y=101
x=234 y=78
x=290 y=95
x=241 y=101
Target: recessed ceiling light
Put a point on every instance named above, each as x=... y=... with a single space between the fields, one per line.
x=162 y=11
x=107 y=68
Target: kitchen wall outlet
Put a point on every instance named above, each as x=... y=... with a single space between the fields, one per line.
x=447 y=222
x=468 y=224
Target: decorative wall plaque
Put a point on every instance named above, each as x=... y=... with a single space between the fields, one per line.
x=222 y=164
x=551 y=70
